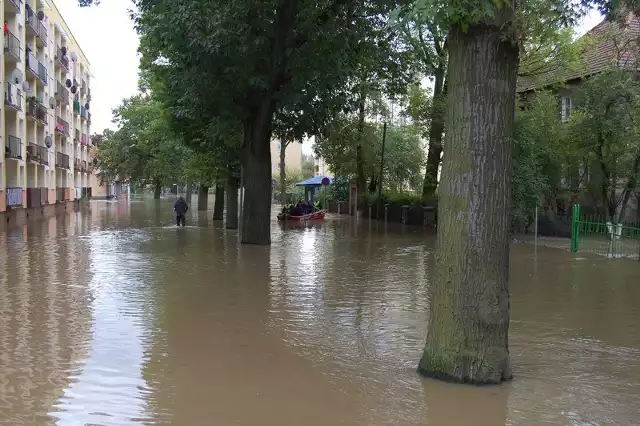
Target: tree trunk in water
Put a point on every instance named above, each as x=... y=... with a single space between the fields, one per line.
x=435 y=135
x=256 y=209
x=218 y=206
x=232 y=203
x=467 y=338
x=283 y=172
x=188 y=192
x=157 y=191
x=203 y=198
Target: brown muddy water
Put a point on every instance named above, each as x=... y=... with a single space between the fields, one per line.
x=112 y=316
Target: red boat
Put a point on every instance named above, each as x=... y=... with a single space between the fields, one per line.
x=319 y=215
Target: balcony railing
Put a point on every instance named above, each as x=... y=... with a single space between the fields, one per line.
x=42 y=72
x=35 y=154
x=83 y=139
x=32 y=19
x=16 y=4
x=63 y=59
x=62 y=160
x=43 y=154
x=14 y=197
x=32 y=62
x=62 y=126
x=62 y=93
x=42 y=32
x=12 y=96
x=13 y=147
x=36 y=110
x=12 y=45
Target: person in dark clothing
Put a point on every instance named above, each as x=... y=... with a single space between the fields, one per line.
x=180 y=208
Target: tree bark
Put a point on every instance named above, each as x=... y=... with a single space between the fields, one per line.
x=256 y=209
x=467 y=338
x=232 y=203
x=218 y=206
x=435 y=134
x=188 y=190
x=283 y=172
x=157 y=191
x=203 y=198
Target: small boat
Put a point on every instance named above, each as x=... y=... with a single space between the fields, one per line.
x=319 y=215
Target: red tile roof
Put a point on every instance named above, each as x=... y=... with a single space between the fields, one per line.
x=609 y=44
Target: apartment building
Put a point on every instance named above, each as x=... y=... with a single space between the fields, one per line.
x=46 y=117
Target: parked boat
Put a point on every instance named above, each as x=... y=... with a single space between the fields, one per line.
x=317 y=215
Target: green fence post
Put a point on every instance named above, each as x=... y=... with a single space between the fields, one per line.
x=575 y=228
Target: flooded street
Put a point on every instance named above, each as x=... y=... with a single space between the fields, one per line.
x=112 y=316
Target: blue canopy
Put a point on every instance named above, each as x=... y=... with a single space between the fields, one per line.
x=314 y=181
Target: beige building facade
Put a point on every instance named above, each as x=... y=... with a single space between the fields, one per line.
x=45 y=120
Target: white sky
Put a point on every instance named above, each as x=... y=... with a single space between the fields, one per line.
x=106 y=35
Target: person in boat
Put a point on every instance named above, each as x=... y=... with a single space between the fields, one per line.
x=180 y=208
x=317 y=206
x=297 y=210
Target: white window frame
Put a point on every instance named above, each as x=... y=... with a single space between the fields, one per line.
x=565 y=112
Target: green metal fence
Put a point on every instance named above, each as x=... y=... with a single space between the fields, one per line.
x=603 y=236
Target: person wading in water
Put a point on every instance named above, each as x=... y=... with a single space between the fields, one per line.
x=180 y=207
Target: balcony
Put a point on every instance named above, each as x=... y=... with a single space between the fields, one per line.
x=13 y=148
x=14 y=197
x=88 y=117
x=32 y=64
x=35 y=153
x=62 y=93
x=62 y=160
x=43 y=154
x=76 y=106
x=77 y=137
x=83 y=87
x=12 y=49
x=83 y=112
x=42 y=73
x=83 y=139
x=12 y=97
x=37 y=111
x=77 y=164
x=62 y=59
x=12 y=6
x=83 y=166
x=35 y=27
x=62 y=126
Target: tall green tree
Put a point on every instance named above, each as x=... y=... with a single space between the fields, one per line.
x=260 y=58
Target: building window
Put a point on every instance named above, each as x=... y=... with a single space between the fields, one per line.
x=566 y=108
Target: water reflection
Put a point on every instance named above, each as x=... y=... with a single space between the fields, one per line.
x=113 y=316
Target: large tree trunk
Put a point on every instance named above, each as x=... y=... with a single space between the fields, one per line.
x=467 y=339
x=283 y=172
x=218 y=206
x=188 y=192
x=435 y=134
x=203 y=198
x=232 y=203
x=157 y=191
x=256 y=209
